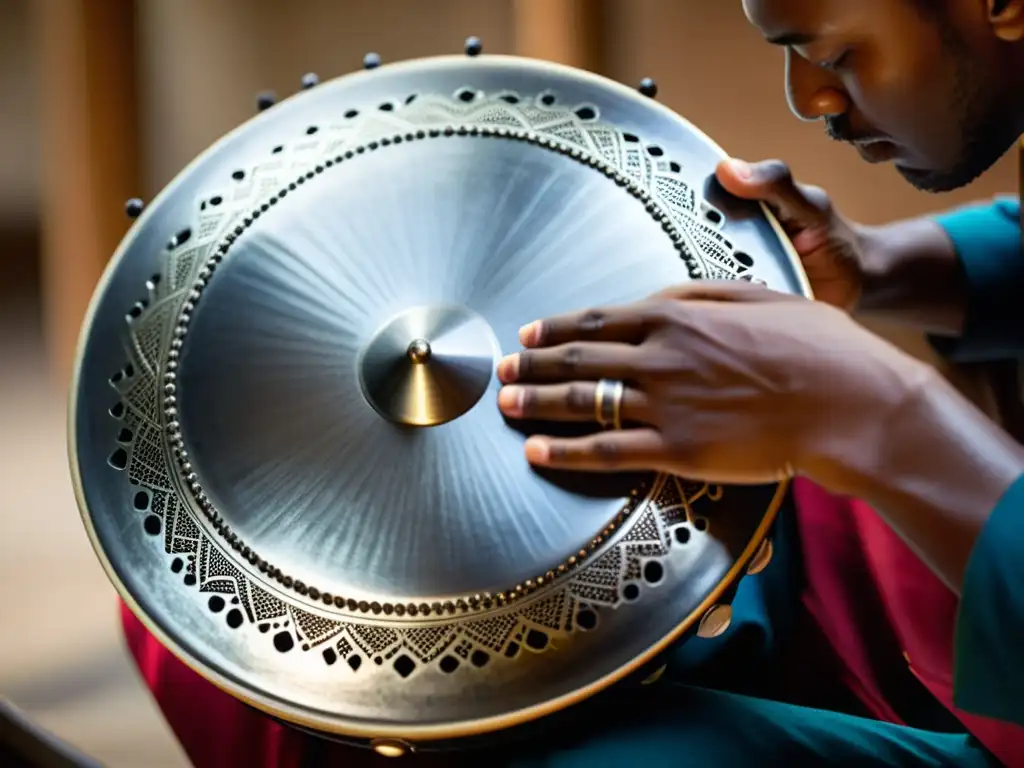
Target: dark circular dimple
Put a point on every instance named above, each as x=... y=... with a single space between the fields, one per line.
x=586 y=619
x=284 y=642
x=119 y=459
x=653 y=572
x=631 y=592
x=235 y=619
x=449 y=664
x=479 y=658
x=152 y=525
x=216 y=604
x=682 y=534
x=190 y=579
x=537 y=640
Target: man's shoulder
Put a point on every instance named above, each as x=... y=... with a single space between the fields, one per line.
x=1005 y=207
x=1009 y=207
x=984 y=227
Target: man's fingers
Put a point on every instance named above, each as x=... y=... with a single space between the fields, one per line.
x=631 y=324
x=573 y=402
x=617 y=451
x=577 y=361
x=772 y=181
x=626 y=324
x=722 y=290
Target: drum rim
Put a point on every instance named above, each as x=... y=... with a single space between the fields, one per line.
x=364 y=729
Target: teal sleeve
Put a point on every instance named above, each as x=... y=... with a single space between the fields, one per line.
x=987 y=239
x=676 y=726
x=989 y=652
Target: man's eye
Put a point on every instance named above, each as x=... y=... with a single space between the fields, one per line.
x=837 y=62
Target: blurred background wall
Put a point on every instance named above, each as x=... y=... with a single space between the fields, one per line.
x=100 y=101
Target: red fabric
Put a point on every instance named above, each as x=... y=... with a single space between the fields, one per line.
x=881 y=608
x=872 y=600
x=213 y=728
x=218 y=731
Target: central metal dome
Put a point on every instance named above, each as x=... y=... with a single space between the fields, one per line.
x=429 y=365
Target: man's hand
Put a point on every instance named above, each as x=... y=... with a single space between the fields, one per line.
x=725 y=382
x=830 y=247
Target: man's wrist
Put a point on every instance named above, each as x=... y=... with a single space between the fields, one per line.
x=911 y=275
x=934 y=468
x=849 y=452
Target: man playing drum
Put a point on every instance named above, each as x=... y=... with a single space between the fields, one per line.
x=887 y=634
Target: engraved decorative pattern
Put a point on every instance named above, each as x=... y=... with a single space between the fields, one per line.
x=470 y=631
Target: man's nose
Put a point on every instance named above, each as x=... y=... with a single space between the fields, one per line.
x=813 y=93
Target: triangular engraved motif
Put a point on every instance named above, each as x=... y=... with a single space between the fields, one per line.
x=429 y=642
x=314 y=628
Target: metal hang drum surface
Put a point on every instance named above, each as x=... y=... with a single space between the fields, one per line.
x=284 y=434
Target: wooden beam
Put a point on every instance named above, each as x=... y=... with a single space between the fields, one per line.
x=563 y=31
x=90 y=153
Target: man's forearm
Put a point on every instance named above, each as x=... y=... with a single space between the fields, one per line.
x=912 y=276
x=934 y=467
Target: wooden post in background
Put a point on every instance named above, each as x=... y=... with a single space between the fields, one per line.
x=563 y=31
x=90 y=154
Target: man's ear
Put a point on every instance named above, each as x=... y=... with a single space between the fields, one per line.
x=1007 y=19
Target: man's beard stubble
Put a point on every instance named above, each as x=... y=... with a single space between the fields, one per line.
x=986 y=124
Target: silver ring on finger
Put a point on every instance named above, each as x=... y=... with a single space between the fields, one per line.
x=608 y=403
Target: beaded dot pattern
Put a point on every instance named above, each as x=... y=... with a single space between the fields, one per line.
x=177 y=442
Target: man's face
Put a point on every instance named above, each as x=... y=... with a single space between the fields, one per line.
x=935 y=91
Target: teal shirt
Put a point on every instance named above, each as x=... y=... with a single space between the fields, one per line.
x=989 y=661
x=988 y=242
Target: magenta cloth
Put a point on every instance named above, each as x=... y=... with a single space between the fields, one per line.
x=865 y=586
